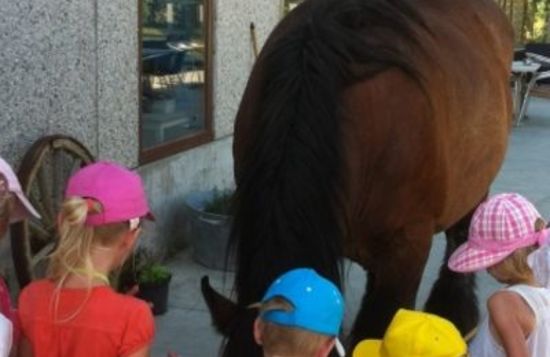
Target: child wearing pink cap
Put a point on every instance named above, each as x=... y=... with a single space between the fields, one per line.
x=504 y=231
x=14 y=207
x=74 y=312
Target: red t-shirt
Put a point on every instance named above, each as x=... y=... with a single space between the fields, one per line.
x=88 y=323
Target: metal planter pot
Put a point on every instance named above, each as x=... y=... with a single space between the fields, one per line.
x=208 y=232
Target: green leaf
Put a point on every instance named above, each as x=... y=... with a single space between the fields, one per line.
x=153 y=273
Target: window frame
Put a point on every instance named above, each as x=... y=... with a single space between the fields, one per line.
x=203 y=136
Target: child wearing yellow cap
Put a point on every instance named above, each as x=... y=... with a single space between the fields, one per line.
x=415 y=334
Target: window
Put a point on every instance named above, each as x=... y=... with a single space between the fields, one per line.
x=176 y=89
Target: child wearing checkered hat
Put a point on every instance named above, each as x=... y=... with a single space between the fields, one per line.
x=504 y=231
x=300 y=315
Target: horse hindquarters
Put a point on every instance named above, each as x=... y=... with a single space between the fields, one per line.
x=396 y=182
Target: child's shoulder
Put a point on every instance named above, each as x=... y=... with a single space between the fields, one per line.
x=35 y=294
x=123 y=302
x=106 y=296
x=38 y=286
x=507 y=301
x=503 y=299
x=133 y=311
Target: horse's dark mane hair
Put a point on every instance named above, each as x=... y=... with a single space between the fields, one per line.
x=289 y=204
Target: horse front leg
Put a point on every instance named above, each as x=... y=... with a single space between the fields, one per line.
x=453 y=294
x=395 y=266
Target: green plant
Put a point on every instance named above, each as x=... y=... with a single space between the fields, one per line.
x=153 y=273
x=220 y=203
x=141 y=267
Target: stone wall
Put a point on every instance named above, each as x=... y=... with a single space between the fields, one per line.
x=71 y=67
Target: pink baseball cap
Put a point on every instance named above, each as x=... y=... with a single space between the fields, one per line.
x=119 y=191
x=500 y=225
x=23 y=208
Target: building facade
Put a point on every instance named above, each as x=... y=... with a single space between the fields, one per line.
x=154 y=84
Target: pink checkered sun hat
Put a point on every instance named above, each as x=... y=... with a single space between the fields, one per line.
x=500 y=225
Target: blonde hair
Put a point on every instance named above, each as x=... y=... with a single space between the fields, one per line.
x=286 y=341
x=514 y=268
x=76 y=241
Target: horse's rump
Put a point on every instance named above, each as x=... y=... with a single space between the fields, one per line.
x=429 y=151
x=365 y=127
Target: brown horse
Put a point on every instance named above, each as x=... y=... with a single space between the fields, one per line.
x=366 y=127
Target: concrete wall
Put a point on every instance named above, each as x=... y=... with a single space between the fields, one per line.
x=71 y=66
x=234 y=56
x=66 y=69
x=167 y=181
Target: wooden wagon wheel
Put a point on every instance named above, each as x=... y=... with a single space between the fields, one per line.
x=44 y=171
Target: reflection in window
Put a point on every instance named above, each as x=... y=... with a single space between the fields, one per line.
x=173 y=34
x=289 y=5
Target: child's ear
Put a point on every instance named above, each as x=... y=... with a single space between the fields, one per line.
x=130 y=237
x=326 y=347
x=258 y=329
x=539 y=224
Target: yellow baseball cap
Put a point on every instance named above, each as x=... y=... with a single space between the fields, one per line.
x=415 y=334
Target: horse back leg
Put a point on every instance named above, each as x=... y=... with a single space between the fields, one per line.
x=453 y=294
x=394 y=272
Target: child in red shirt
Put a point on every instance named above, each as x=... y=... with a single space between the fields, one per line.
x=74 y=312
x=14 y=207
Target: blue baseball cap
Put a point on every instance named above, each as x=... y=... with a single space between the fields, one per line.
x=318 y=303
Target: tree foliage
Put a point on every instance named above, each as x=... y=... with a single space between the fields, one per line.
x=529 y=17
x=185 y=15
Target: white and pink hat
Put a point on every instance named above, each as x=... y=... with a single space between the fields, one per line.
x=9 y=182
x=500 y=225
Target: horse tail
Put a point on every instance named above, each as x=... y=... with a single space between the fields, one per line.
x=289 y=203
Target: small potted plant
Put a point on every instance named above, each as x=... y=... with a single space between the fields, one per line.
x=209 y=226
x=154 y=282
x=151 y=278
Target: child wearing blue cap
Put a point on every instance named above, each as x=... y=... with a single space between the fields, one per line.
x=300 y=315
